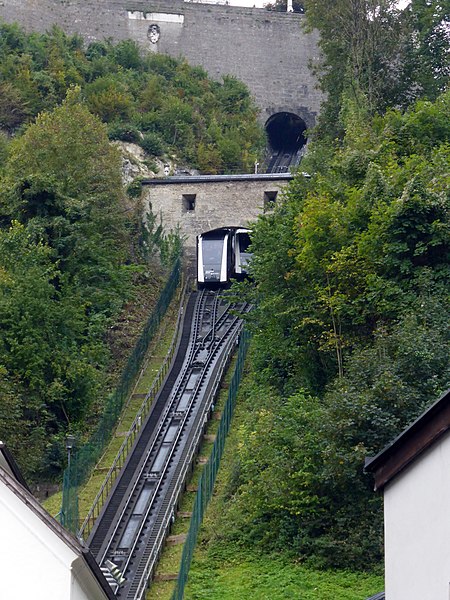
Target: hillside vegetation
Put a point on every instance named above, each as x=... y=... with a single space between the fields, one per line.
x=77 y=267
x=350 y=287
x=158 y=102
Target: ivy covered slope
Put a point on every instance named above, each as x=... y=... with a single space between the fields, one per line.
x=156 y=101
x=351 y=278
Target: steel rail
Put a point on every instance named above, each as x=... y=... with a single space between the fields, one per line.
x=156 y=441
x=165 y=471
x=212 y=336
x=154 y=435
x=164 y=513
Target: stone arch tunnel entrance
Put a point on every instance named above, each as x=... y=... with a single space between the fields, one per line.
x=285 y=131
x=286 y=137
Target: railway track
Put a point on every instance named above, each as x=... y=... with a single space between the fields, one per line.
x=280 y=162
x=129 y=533
x=283 y=160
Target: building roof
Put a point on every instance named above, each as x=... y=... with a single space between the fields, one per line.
x=8 y=463
x=414 y=440
x=218 y=178
x=22 y=492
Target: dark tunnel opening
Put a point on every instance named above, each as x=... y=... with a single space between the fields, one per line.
x=286 y=131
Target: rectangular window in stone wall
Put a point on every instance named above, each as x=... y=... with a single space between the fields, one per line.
x=189 y=202
x=269 y=200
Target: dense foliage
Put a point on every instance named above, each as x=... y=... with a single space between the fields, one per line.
x=371 y=48
x=351 y=273
x=351 y=333
x=156 y=101
x=64 y=246
x=73 y=249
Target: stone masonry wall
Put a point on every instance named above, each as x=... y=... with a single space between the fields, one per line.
x=224 y=203
x=269 y=51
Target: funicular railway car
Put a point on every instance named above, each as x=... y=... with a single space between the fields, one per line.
x=214 y=258
x=221 y=255
x=242 y=256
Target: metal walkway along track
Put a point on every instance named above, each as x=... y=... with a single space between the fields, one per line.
x=129 y=533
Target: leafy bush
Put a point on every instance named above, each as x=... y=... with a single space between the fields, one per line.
x=126 y=132
x=133 y=92
x=109 y=98
x=351 y=304
x=152 y=144
x=134 y=189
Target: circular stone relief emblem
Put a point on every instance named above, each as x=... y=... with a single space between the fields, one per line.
x=153 y=33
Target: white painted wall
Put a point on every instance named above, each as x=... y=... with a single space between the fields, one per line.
x=36 y=564
x=417 y=528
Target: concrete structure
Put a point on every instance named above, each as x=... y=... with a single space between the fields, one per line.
x=269 y=51
x=413 y=473
x=200 y=203
x=38 y=558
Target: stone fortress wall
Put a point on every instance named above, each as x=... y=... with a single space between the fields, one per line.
x=269 y=51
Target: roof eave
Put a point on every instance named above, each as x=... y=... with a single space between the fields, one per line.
x=414 y=440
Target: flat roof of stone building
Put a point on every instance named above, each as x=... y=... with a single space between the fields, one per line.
x=218 y=178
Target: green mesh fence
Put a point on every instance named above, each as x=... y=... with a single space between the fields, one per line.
x=208 y=476
x=84 y=460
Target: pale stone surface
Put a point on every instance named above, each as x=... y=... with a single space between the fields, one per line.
x=133 y=162
x=226 y=203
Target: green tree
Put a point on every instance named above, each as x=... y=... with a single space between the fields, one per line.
x=376 y=53
x=49 y=364
x=429 y=22
x=69 y=193
x=281 y=6
x=12 y=107
x=350 y=288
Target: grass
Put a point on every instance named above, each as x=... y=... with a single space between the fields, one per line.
x=247 y=576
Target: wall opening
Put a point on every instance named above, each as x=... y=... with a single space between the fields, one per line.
x=189 y=202
x=269 y=200
x=286 y=132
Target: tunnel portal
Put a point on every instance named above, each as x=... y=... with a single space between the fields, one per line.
x=286 y=131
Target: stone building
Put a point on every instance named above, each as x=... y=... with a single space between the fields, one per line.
x=196 y=204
